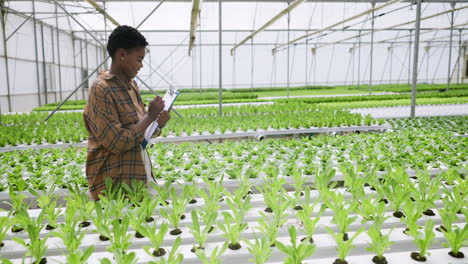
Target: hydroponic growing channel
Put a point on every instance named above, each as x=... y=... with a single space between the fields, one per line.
x=310 y=200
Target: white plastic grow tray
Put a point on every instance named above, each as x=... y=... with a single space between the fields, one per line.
x=237 y=135
x=325 y=252
x=229 y=184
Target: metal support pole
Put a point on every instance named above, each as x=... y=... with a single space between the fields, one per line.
x=460 y=57
x=38 y=81
x=427 y=49
x=44 y=73
x=52 y=67
x=194 y=69
x=251 y=64
x=415 y=61
x=5 y=52
x=289 y=22
x=359 y=62
x=150 y=67
x=306 y=60
x=201 y=57
x=58 y=55
x=449 y=70
x=220 y=34
x=409 y=56
x=74 y=64
x=86 y=59
x=372 y=48
x=391 y=65
x=82 y=69
x=104 y=51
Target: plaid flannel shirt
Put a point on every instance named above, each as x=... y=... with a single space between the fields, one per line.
x=114 y=151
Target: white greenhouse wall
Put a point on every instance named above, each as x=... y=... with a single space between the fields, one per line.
x=331 y=65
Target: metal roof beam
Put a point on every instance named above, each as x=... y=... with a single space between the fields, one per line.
x=269 y=23
x=336 y=24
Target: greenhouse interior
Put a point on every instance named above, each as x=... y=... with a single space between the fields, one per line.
x=292 y=131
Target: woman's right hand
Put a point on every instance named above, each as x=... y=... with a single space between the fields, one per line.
x=155 y=107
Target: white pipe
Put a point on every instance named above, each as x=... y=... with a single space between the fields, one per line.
x=336 y=24
x=269 y=23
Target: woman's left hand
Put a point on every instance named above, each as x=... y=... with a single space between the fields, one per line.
x=163 y=118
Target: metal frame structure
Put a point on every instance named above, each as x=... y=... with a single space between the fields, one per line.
x=97 y=37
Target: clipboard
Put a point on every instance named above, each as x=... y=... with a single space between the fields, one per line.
x=169 y=99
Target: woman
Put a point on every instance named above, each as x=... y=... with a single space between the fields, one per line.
x=115 y=116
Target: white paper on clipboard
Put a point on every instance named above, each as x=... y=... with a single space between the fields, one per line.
x=169 y=99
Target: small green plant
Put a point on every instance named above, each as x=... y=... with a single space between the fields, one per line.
x=232 y=230
x=5 y=225
x=48 y=202
x=136 y=191
x=422 y=240
x=299 y=183
x=174 y=257
x=343 y=246
x=156 y=236
x=37 y=246
x=379 y=242
x=214 y=257
x=354 y=183
x=72 y=237
x=396 y=193
x=199 y=234
x=413 y=211
x=175 y=211
x=239 y=203
x=324 y=178
x=427 y=192
x=309 y=223
x=121 y=240
x=295 y=253
x=457 y=238
x=163 y=192
x=342 y=210
x=261 y=250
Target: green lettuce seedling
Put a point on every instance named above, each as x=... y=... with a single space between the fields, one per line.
x=156 y=236
x=239 y=203
x=413 y=211
x=72 y=237
x=269 y=224
x=232 y=230
x=305 y=215
x=344 y=247
x=120 y=239
x=5 y=225
x=456 y=239
x=214 y=257
x=102 y=219
x=379 y=242
x=174 y=256
x=37 y=246
x=136 y=192
x=261 y=250
x=295 y=253
x=342 y=218
x=422 y=240
x=199 y=234
x=174 y=212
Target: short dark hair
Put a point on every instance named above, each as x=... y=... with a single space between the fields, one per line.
x=125 y=37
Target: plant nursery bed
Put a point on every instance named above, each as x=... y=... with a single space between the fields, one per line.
x=229 y=184
x=324 y=252
x=227 y=136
